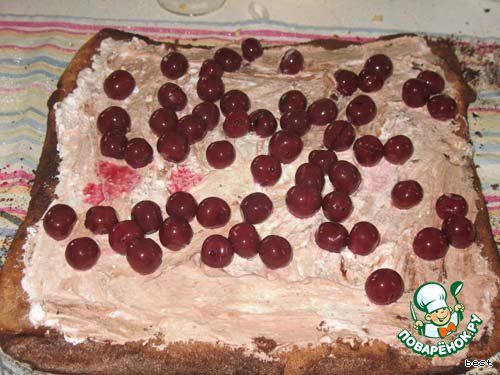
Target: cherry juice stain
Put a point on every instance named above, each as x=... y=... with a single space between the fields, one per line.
x=182 y=178
x=114 y=181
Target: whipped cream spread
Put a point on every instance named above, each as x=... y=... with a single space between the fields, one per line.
x=319 y=297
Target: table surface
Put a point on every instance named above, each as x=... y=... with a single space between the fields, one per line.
x=476 y=18
x=39 y=38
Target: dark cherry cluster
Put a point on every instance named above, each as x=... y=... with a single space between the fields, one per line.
x=370 y=79
x=456 y=230
x=304 y=199
x=114 y=123
x=175 y=135
x=362 y=109
x=243 y=239
x=427 y=89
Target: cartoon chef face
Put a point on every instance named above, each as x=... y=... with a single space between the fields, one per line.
x=439 y=317
x=431 y=299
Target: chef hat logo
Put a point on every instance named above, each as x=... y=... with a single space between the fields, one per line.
x=430 y=297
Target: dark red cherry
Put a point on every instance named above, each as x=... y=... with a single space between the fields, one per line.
x=210 y=89
x=174 y=65
x=292 y=62
x=363 y=239
x=251 y=48
x=415 y=93
x=216 y=251
x=113 y=118
x=451 y=204
x=236 y=124
x=213 y=213
x=144 y=255
x=398 y=149
x=344 y=176
x=162 y=120
x=297 y=122
x=433 y=80
x=406 y=194
x=211 y=68
x=361 y=110
x=119 y=85
x=209 y=113
x=173 y=147
x=113 y=144
x=220 y=154
x=266 y=170
x=256 y=207
x=442 y=107
x=381 y=64
x=370 y=81
x=322 y=111
x=182 y=204
x=459 y=230
x=245 y=240
x=138 y=153
x=323 y=159
x=122 y=233
x=100 y=219
x=192 y=127
x=59 y=221
x=303 y=201
x=234 y=100
x=293 y=100
x=175 y=233
x=331 y=237
x=347 y=82
x=228 y=58
x=275 y=252
x=172 y=97
x=263 y=123
x=384 y=286
x=310 y=174
x=148 y=215
x=337 y=206
x=430 y=244
x=82 y=253
x=368 y=150
x=339 y=136
x=285 y=146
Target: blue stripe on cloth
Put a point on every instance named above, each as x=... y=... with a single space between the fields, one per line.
x=32 y=60
x=7 y=232
x=30 y=74
x=23 y=159
x=26 y=110
x=32 y=123
x=25 y=138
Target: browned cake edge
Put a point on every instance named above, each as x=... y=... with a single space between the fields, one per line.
x=49 y=351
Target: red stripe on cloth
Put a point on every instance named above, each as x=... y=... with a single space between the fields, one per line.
x=266 y=33
x=7 y=184
x=17 y=174
x=492 y=198
x=484 y=109
x=13 y=210
x=26 y=88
